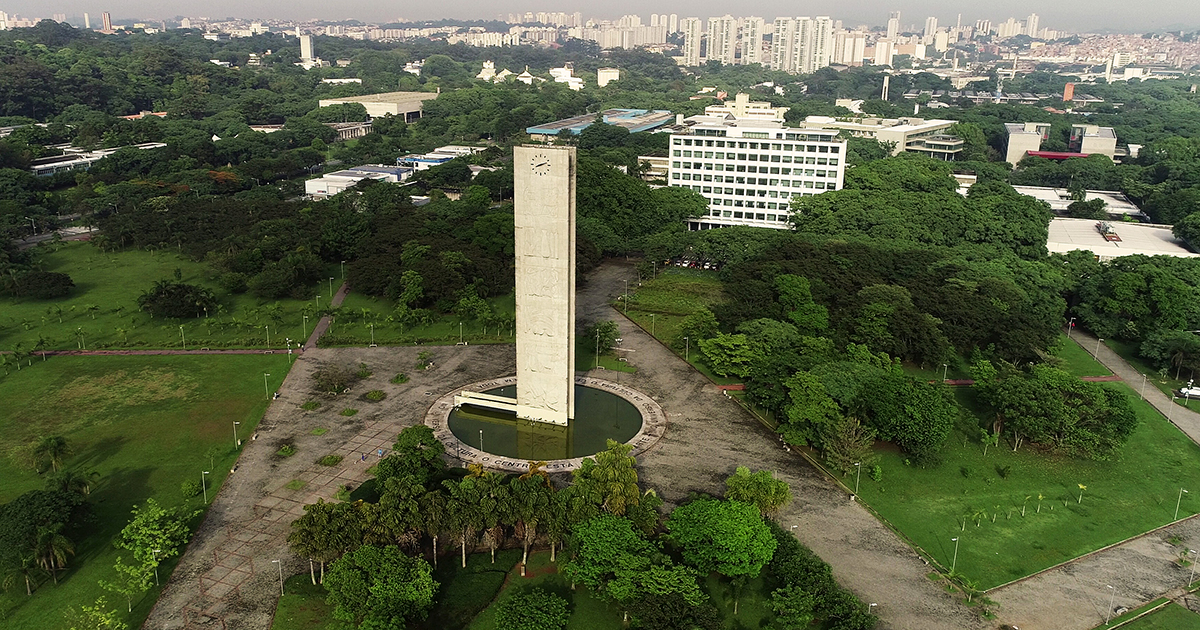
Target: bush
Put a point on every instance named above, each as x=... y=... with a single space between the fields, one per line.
x=363 y=371
x=349 y=412
x=876 y=473
x=178 y=300
x=535 y=610
x=332 y=380
x=311 y=405
x=330 y=460
x=399 y=379
x=287 y=450
x=190 y=488
x=375 y=395
x=232 y=282
x=42 y=285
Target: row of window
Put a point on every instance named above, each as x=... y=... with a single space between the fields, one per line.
x=748 y=192
x=753 y=157
x=784 y=183
x=754 y=216
x=754 y=180
x=743 y=168
x=771 y=146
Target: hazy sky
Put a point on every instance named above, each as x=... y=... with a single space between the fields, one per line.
x=1125 y=15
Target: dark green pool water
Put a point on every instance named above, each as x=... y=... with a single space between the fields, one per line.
x=599 y=417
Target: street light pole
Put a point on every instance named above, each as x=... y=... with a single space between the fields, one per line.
x=304 y=327
x=330 y=291
x=266 y=390
x=203 y=485
x=1192 y=577
x=651 y=324
x=1097 y=352
x=1143 y=391
x=857 y=476
x=1179 y=500
x=460 y=337
x=235 y=440
x=945 y=370
x=626 y=297
x=597 y=348
x=182 y=339
x=343 y=270
x=156 y=552
x=1111 y=599
x=481 y=439
x=954 y=562
x=687 y=349
x=280 y=576
x=1070 y=325
x=268 y=329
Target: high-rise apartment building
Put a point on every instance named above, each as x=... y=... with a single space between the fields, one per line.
x=306 y=49
x=87 y=22
x=783 y=44
x=849 y=47
x=692 y=29
x=893 y=25
x=752 y=39
x=673 y=24
x=1031 y=25
x=802 y=45
x=751 y=170
x=983 y=27
x=930 y=29
x=722 y=39
x=106 y=20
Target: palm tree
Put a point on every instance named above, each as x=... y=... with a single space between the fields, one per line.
x=531 y=500
x=434 y=511
x=401 y=510
x=26 y=569
x=462 y=514
x=52 y=451
x=71 y=481
x=51 y=549
x=495 y=506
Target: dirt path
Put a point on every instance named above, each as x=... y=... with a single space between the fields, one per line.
x=709 y=436
x=227 y=578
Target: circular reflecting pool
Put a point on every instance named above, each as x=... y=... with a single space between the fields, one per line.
x=599 y=416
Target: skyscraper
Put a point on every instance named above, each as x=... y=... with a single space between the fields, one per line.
x=106 y=20
x=722 y=39
x=893 y=25
x=692 y=29
x=87 y=22
x=783 y=44
x=752 y=38
x=930 y=29
x=306 y=48
x=802 y=45
x=1031 y=25
x=673 y=24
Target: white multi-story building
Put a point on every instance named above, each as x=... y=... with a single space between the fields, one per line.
x=692 y=32
x=751 y=170
x=930 y=29
x=802 y=45
x=783 y=44
x=752 y=40
x=893 y=25
x=722 y=39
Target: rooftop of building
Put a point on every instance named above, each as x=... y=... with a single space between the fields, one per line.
x=871 y=123
x=1059 y=198
x=1068 y=235
x=387 y=97
x=632 y=119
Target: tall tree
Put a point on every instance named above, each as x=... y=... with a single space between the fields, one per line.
x=50 y=452
x=728 y=537
x=380 y=587
x=51 y=549
x=760 y=489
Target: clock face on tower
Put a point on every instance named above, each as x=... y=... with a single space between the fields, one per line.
x=540 y=164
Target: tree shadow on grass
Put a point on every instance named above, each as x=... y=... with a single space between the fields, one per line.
x=98 y=452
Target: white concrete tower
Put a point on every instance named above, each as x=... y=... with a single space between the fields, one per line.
x=544 y=222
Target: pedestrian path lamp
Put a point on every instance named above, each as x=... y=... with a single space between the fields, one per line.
x=1177 y=502
x=954 y=562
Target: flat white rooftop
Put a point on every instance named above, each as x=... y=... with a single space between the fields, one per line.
x=1059 y=198
x=1067 y=235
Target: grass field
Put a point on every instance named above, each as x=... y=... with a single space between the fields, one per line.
x=1165 y=382
x=1170 y=617
x=145 y=424
x=359 y=311
x=1134 y=492
x=112 y=282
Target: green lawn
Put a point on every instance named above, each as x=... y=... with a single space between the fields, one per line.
x=1170 y=617
x=359 y=311
x=1078 y=361
x=145 y=424
x=1165 y=382
x=1134 y=492
x=112 y=282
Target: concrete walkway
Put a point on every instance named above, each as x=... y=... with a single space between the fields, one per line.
x=1187 y=420
x=326 y=321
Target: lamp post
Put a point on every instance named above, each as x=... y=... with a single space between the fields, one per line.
x=1179 y=500
x=1111 y=599
x=266 y=390
x=857 y=476
x=460 y=337
x=156 y=552
x=280 y=576
x=1097 y=352
x=687 y=349
x=1143 y=390
x=268 y=329
x=182 y=339
x=1192 y=577
x=372 y=334
x=32 y=225
x=1070 y=325
x=330 y=290
x=304 y=326
x=651 y=324
x=318 y=298
x=945 y=370
x=288 y=340
x=343 y=270
x=954 y=562
x=1171 y=411
x=597 y=348
x=481 y=439
x=204 y=485
x=627 y=297
x=235 y=440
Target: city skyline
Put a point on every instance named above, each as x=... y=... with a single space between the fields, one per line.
x=1072 y=15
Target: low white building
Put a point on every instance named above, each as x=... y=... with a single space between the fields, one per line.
x=334 y=183
x=915 y=135
x=750 y=170
x=1068 y=235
